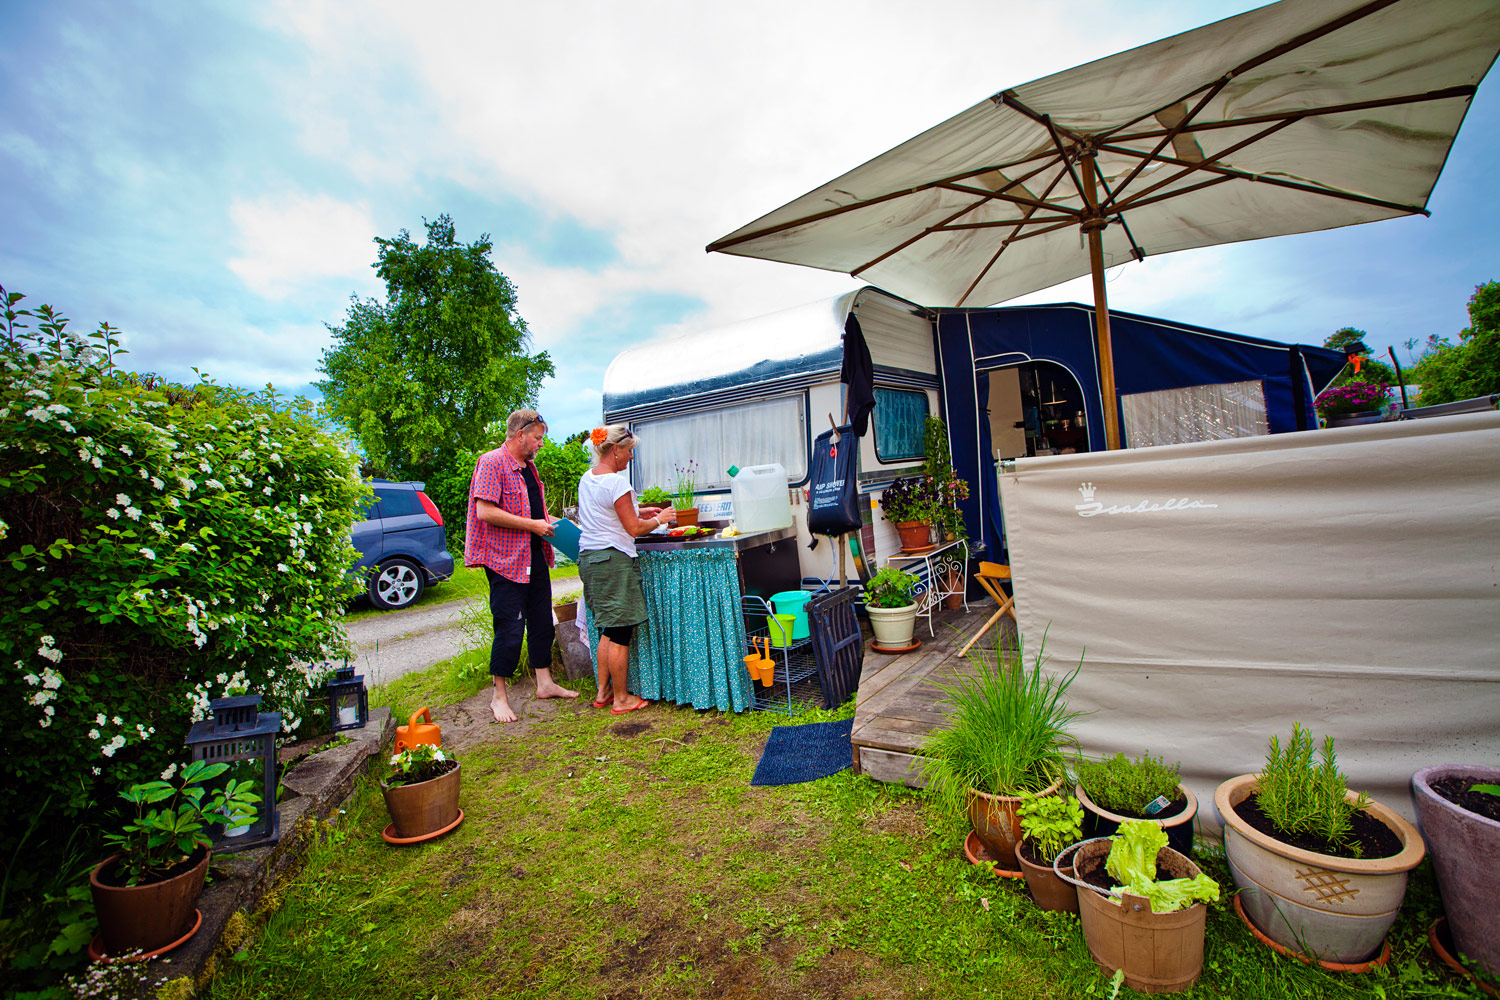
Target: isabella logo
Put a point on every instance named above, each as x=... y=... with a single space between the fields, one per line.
x=1090 y=506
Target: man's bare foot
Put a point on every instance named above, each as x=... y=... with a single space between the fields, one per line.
x=502 y=710
x=548 y=688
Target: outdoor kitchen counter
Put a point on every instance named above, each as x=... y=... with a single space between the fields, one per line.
x=691 y=649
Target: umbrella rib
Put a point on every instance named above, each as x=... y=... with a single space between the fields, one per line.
x=1190 y=168
x=1232 y=173
x=1172 y=132
x=1464 y=90
x=1011 y=239
x=1311 y=36
x=984 y=196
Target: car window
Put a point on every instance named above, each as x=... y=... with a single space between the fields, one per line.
x=398 y=503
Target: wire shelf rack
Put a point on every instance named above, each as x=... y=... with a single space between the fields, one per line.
x=795 y=686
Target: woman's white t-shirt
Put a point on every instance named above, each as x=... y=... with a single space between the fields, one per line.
x=598 y=519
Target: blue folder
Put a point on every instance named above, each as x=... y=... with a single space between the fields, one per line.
x=565 y=538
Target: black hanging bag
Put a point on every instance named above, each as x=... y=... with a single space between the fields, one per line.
x=833 y=493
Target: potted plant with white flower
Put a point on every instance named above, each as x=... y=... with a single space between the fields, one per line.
x=421 y=794
x=146 y=893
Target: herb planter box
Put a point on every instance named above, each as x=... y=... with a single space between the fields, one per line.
x=1100 y=822
x=1327 y=908
x=1466 y=856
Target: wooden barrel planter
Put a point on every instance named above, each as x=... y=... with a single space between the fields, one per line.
x=1159 y=952
x=425 y=809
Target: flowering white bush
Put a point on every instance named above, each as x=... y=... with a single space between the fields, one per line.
x=159 y=546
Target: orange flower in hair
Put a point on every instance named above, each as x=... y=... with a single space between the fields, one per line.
x=597 y=435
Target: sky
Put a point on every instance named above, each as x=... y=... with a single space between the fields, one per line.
x=210 y=177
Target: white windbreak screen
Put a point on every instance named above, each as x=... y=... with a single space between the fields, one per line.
x=1347 y=579
x=1196 y=413
x=745 y=434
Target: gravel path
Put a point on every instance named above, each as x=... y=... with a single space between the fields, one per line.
x=395 y=643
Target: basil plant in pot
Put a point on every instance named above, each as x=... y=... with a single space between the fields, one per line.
x=891 y=603
x=1007 y=737
x=1049 y=823
x=1120 y=788
x=146 y=893
x=1321 y=870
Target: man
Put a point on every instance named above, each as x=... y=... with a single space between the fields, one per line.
x=507 y=526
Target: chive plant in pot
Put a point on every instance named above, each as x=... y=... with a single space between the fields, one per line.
x=891 y=603
x=1006 y=737
x=1049 y=823
x=146 y=893
x=1321 y=870
x=1142 y=906
x=685 y=497
x=908 y=503
x=421 y=794
x=1458 y=806
x=1120 y=788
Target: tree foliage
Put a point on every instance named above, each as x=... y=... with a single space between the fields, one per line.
x=1370 y=371
x=560 y=467
x=426 y=374
x=1447 y=371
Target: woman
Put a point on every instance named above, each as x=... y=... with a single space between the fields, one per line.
x=607 y=563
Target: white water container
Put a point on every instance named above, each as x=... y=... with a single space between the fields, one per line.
x=761 y=502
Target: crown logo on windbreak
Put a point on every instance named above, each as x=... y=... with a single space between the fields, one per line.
x=1087 y=489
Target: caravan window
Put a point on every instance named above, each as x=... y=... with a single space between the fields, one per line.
x=899 y=416
x=744 y=434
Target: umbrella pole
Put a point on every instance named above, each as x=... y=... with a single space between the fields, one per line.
x=1095 y=229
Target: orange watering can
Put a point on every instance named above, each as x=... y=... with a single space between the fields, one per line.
x=416 y=733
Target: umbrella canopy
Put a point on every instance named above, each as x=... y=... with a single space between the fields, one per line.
x=1299 y=116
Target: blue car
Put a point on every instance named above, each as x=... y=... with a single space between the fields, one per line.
x=402 y=545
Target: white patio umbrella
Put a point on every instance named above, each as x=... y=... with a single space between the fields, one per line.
x=1299 y=116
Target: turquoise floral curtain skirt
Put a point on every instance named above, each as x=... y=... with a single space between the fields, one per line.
x=691 y=649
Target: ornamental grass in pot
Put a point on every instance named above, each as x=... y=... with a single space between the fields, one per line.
x=1458 y=806
x=1321 y=870
x=421 y=792
x=1049 y=823
x=1006 y=737
x=146 y=893
x=1120 y=788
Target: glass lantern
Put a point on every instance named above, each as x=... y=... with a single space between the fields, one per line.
x=348 y=701
x=243 y=737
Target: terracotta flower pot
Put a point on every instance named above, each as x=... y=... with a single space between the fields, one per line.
x=1049 y=891
x=423 y=808
x=914 y=534
x=146 y=917
x=1100 y=822
x=1327 y=908
x=566 y=612
x=686 y=518
x=1466 y=856
x=995 y=822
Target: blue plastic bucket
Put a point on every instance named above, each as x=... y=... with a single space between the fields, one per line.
x=794 y=602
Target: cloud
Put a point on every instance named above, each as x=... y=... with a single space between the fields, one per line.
x=289 y=240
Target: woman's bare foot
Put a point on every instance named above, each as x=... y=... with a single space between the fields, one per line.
x=628 y=703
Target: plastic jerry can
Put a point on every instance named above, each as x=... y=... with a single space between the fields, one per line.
x=761 y=503
x=415 y=733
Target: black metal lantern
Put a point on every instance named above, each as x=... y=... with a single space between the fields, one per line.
x=239 y=731
x=348 y=701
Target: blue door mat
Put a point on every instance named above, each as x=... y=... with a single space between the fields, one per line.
x=805 y=753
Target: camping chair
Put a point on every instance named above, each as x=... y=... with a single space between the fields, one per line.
x=990 y=575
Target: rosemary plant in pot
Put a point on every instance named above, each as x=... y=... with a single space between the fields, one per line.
x=1321 y=870
x=1049 y=823
x=892 y=607
x=1006 y=737
x=146 y=893
x=1120 y=788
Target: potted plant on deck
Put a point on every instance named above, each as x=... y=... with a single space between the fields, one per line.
x=1352 y=403
x=1007 y=737
x=421 y=794
x=146 y=893
x=1458 y=806
x=908 y=504
x=1120 y=788
x=892 y=608
x=1049 y=823
x=1321 y=870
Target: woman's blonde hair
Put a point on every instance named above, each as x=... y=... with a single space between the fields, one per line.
x=605 y=439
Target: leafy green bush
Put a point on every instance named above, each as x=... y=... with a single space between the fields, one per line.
x=560 y=466
x=1448 y=371
x=448 y=487
x=1300 y=798
x=891 y=588
x=159 y=545
x=1124 y=785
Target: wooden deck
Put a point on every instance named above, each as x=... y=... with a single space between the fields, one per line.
x=898 y=703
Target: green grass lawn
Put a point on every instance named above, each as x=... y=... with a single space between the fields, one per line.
x=465 y=582
x=630 y=857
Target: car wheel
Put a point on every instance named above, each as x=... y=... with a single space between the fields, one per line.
x=396 y=584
